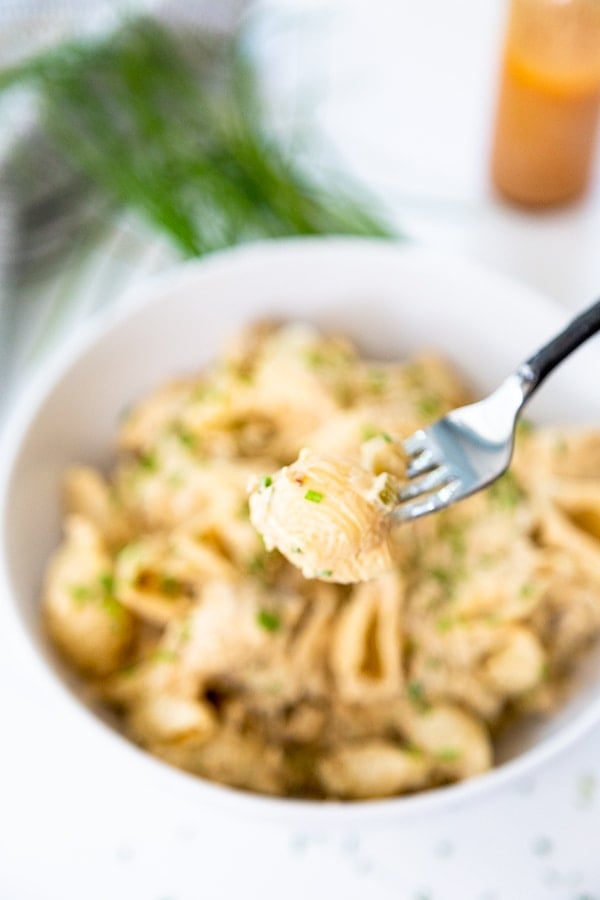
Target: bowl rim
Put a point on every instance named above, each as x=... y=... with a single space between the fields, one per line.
x=22 y=414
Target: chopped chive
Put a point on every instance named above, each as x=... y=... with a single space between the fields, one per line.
x=107 y=583
x=506 y=492
x=265 y=482
x=445 y=623
x=416 y=695
x=244 y=376
x=148 y=461
x=525 y=427
x=448 y=754
x=80 y=592
x=185 y=436
x=314 y=359
x=413 y=750
x=270 y=621
x=112 y=606
x=130 y=669
x=257 y=564
x=443 y=576
x=377 y=380
x=296 y=550
x=368 y=431
x=454 y=535
x=313 y=496
x=164 y=656
x=429 y=406
x=325 y=573
x=170 y=586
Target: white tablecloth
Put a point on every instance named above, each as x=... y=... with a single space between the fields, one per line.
x=404 y=92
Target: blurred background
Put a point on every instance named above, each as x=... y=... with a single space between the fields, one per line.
x=137 y=134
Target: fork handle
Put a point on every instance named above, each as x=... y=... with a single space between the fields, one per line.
x=534 y=370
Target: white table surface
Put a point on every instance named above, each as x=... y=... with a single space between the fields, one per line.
x=404 y=91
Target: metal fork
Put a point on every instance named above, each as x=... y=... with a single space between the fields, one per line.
x=472 y=446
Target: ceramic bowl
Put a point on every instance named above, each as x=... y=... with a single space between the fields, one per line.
x=393 y=299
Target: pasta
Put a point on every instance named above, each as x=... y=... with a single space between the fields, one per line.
x=272 y=671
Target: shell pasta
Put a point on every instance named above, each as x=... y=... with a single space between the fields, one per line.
x=272 y=672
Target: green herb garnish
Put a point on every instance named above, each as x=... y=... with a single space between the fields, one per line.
x=80 y=592
x=416 y=695
x=325 y=573
x=148 y=461
x=448 y=754
x=454 y=535
x=186 y=631
x=185 y=436
x=525 y=427
x=313 y=496
x=270 y=621
x=172 y=127
x=315 y=359
x=265 y=482
x=367 y=432
x=506 y=492
x=107 y=583
x=164 y=656
x=413 y=750
x=377 y=380
x=444 y=577
x=429 y=406
x=170 y=586
x=112 y=606
x=446 y=623
x=257 y=565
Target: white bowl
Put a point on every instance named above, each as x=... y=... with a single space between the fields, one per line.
x=393 y=300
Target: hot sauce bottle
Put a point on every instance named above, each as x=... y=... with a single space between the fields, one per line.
x=549 y=100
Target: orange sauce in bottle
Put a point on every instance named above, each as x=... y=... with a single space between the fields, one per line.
x=549 y=101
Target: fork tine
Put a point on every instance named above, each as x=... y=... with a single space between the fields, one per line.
x=424 y=462
x=428 y=504
x=434 y=479
x=415 y=443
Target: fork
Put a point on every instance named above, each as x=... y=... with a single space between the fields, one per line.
x=472 y=446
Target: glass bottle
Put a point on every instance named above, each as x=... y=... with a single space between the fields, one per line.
x=549 y=100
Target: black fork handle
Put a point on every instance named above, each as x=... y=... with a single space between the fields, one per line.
x=538 y=367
